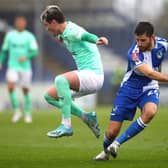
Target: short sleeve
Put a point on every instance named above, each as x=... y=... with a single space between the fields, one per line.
x=163 y=41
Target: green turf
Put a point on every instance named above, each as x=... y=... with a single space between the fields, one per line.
x=27 y=146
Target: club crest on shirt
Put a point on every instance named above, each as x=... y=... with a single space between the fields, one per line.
x=159 y=54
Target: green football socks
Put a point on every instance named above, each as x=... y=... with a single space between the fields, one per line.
x=27 y=104
x=76 y=110
x=64 y=102
x=64 y=94
x=53 y=101
x=14 y=100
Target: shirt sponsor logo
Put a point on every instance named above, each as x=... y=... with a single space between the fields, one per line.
x=135 y=58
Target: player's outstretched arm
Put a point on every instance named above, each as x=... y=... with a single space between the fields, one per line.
x=92 y=38
x=152 y=74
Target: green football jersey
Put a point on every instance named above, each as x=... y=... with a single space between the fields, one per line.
x=19 y=44
x=86 y=55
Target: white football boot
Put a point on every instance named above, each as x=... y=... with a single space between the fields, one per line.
x=113 y=148
x=102 y=156
x=16 y=116
x=28 y=118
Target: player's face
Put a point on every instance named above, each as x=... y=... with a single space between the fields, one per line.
x=20 y=23
x=52 y=27
x=144 y=42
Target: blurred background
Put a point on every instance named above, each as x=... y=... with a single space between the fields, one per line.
x=114 y=19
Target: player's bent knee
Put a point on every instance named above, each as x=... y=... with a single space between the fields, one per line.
x=48 y=97
x=148 y=115
x=151 y=114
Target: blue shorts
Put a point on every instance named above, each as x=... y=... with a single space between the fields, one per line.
x=127 y=101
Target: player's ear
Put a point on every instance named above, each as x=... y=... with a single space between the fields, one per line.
x=153 y=36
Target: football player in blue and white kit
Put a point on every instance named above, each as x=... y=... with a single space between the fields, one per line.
x=139 y=89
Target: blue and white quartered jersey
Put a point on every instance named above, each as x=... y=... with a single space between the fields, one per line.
x=133 y=79
x=136 y=89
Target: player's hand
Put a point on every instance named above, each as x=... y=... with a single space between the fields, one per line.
x=102 y=40
x=22 y=59
x=0 y=66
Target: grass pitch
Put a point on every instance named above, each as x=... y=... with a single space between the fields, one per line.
x=27 y=146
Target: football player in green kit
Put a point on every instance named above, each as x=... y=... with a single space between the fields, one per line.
x=87 y=79
x=20 y=45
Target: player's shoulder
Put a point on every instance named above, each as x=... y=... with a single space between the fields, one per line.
x=160 y=39
x=73 y=31
x=133 y=51
x=161 y=42
x=133 y=48
x=74 y=26
x=28 y=32
x=10 y=32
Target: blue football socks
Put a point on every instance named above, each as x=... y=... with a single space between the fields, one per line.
x=107 y=141
x=135 y=128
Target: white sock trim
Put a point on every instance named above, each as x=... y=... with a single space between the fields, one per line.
x=66 y=122
x=141 y=123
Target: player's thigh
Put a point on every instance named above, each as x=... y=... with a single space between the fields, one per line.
x=12 y=76
x=151 y=95
x=148 y=112
x=89 y=82
x=73 y=80
x=25 y=79
x=81 y=83
x=149 y=104
x=124 y=108
x=51 y=91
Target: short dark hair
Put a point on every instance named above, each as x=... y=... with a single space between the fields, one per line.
x=144 y=27
x=52 y=12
